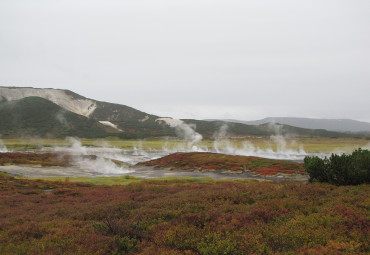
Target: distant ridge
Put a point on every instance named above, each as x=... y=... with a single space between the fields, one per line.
x=338 y=125
x=35 y=112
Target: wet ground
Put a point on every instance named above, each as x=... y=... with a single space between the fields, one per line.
x=101 y=164
x=137 y=171
x=151 y=172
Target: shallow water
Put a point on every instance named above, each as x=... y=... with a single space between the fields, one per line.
x=137 y=171
x=83 y=165
x=43 y=172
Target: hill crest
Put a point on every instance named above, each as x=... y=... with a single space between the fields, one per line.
x=121 y=120
x=337 y=125
x=64 y=98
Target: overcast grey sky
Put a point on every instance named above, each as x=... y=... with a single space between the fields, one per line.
x=245 y=59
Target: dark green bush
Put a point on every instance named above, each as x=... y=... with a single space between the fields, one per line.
x=342 y=169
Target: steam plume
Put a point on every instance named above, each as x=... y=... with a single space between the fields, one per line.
x=3 y=147
x=223 y=145
x=61 y=119
x=187 y=132
x=183 y=130
x=98 y=160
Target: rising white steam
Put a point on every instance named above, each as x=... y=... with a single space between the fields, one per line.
x=76 y=147
x=223 y=145
x=186 y=131
x=101 y=165
x=99 y=159
x=183 y=130
x=279 y=147
x=183 y=147
x=248 y=149
x=61 y=119
x=95 y=159
x=276 y=128
x=3 y=147
x=222 y=132
x=280 y=142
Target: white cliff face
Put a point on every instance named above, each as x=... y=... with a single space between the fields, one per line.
x=83 y=107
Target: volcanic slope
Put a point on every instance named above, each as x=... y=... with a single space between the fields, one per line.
x=111 y=119
x=60 y=113
x=35 y=116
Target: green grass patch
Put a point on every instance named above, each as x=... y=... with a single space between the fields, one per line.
x=106 y=180
x=309 y=144
x=128 y=179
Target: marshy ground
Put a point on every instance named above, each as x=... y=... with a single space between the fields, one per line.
x=113 y=157
x=195 y=164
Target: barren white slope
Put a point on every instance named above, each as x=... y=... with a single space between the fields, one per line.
x=170 y=122
x=109 y=124
x=83 y=107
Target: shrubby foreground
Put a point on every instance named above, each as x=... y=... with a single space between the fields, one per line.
x=194 y=216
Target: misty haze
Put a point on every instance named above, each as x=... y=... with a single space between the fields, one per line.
x=184 y=127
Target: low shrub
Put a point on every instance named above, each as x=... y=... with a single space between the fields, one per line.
x=342 y=169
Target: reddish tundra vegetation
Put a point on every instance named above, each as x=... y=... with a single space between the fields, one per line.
x=31 y=158
x=182 y=217
x=214 y=161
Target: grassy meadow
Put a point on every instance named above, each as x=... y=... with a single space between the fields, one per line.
x=325 y=145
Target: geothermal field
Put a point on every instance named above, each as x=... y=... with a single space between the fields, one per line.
x=185 y=194
x=184 y=127
x=222 y=196
x=92 y=158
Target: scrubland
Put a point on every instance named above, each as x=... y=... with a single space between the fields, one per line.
x=182 y=216
x=206 y=161
x=42 y=159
